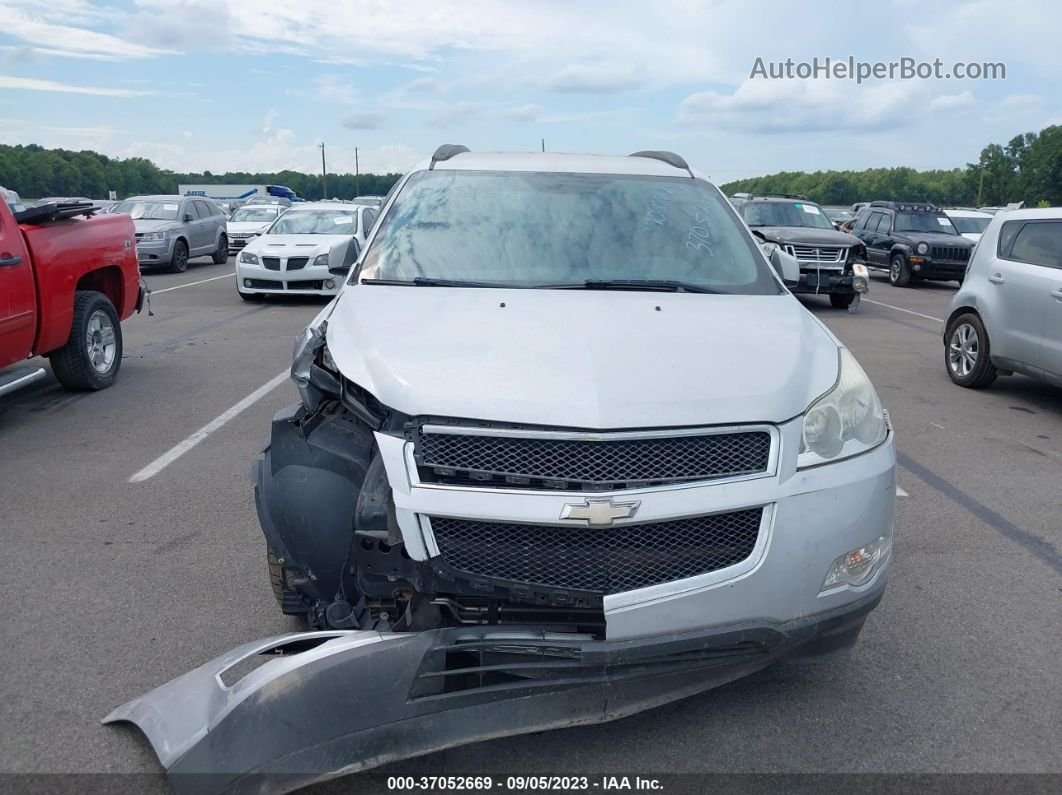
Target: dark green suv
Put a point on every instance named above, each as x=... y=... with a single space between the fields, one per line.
x=912 y=240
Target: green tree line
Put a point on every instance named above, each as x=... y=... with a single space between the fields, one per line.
x=35 y=172
x=1028 y=168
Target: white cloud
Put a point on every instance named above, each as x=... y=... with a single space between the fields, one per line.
x=523 y=112
x=595 y=79
x=792 y=106
x=334 y=88
x=41 y=28
x=948 y=101
x=364 y=120
x=29 y=84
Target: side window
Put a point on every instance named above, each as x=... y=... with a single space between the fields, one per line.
x=1007 y=233
x=205 y=209
x=191 y=209
x=885 y=223
x=1039 y=243
x=870 y=221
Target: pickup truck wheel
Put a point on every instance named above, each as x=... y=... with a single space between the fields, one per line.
x=221 y=256
x=838 y=301
x=92 y=356
x=899 y=271
x=967 y=354
x=179 y=260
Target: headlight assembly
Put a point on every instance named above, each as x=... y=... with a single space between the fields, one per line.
x=846 y=421
x=248 y=258
x=148 y=236
x=922 y=248
x=320 y=261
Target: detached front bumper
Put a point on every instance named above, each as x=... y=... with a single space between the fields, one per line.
x=331 y=703
x=814 y=281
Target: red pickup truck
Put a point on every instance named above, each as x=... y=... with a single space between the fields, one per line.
x=67 y=280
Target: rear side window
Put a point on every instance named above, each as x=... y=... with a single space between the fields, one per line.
x=206 y=210
x=1034 y=242
x=869 y=221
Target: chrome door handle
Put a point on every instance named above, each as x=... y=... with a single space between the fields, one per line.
x=1057 y=294
x=997 y=278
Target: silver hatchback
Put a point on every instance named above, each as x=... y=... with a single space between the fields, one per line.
x=1007 y=316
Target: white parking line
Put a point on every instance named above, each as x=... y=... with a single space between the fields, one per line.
x=901 y=309
x=183 y=447
x=193 y=284
x=901 y=493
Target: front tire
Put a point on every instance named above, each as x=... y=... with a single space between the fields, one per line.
x=92 y=356
x=899 y=271
x=838 y=301
x=221 y=256
x=248 y=296
x=179 y=258
x=967 y=355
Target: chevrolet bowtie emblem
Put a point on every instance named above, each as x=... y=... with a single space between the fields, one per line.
x=600 y=513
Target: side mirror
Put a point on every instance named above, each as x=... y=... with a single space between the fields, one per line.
x=352 y=256
x=340 y=270
x=187 y=217
x=785 y=265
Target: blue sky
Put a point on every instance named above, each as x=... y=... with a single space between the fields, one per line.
x=256 y=84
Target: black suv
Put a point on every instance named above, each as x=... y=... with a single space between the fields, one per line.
x=801 y=228
x=913 y=241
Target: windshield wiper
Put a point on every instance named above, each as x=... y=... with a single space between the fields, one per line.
x=427 y=281
x=655 y=285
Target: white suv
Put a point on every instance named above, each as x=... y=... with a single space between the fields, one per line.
x=1007 y=316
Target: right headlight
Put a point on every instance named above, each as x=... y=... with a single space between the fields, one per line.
x=922 y=248
x=248 y=257
x=846 y=421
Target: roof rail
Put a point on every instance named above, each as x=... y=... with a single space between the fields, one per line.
x=780 y=196
x=906 y=206
x=665 y=157
x=445 y=152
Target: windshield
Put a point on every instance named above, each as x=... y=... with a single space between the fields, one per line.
x=524 y=229
x=785 y=214
x=924 y=222
x=966 y=226
x=316 y=222
x=148 y=210
x=263 y=214
x=839 y=216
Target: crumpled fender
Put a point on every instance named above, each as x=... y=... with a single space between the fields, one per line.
x=341 y=701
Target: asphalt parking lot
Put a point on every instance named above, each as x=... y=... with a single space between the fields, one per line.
x=112 y=587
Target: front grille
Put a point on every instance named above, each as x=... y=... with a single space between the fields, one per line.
x=597 y=560
x=953 y=253
x=821 y=254
x=296 y=263
x=545 y=462
x=263 y=284
x=315 y=284
x=271 y=263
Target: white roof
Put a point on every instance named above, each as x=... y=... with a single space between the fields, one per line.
x=1030 y=214
x=557 y=162
x=968 y=213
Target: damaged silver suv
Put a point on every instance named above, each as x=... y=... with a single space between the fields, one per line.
x=565 y=442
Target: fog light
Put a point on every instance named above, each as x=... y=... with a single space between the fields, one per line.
x=859 y=284
x=858 y=566
x=246 y=282
x=329 y=285
x=918 y=267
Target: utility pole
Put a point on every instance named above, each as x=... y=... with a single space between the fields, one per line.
x=324 y=173
x=543 y=144
x=357 y=174
x=980 y=184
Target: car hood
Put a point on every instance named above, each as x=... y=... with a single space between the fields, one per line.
x=805 y=236
x=145 y=225
x=246 y=226
x=974 y=236
x=936 y=238
x=582 y=359
x=295 y=245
